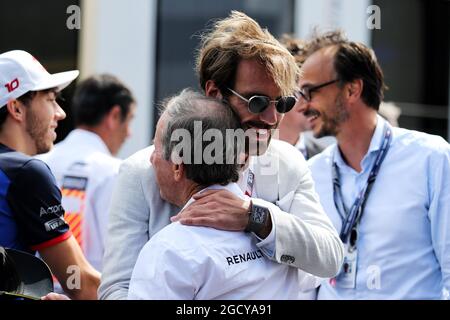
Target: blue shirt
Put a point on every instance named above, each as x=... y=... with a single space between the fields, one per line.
x=31 y=214
x=404 y=233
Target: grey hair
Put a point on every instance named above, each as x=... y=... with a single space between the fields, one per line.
x=183 y=111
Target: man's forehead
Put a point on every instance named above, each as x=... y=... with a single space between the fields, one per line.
x=162 y=119
x=253 y=77
x=319 y=66
x=160 y=124
x=53 y=91
x=132 y=110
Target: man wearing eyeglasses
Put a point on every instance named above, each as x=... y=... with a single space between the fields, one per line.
x=295 y=128
x=246 y=67
x=385 y=189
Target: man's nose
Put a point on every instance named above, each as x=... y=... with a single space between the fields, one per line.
x=152 y=156
x=270 y=115
x=60 y=114
x=303 y=106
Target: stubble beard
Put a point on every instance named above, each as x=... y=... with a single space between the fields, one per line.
x=331 y=124
x=38 y=133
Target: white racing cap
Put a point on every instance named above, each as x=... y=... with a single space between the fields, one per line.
x=20 y=72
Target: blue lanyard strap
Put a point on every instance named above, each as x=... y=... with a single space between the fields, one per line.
x=352 y=217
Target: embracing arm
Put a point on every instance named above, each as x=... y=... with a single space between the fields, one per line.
x=305 y=238
x=304 y=235
x=299 y=232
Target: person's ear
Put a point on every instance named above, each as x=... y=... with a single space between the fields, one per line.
x=16 y=110
x=354 y=90
x=211 y=90
x=114 y=117
x=178 y=171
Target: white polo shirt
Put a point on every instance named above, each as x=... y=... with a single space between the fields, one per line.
x=85 y=170
x=187 y=262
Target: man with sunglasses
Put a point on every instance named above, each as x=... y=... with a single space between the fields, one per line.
x=217 y=264
x=385 y=189
x=246 y=67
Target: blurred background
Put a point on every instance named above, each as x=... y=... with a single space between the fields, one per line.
x=150 y=45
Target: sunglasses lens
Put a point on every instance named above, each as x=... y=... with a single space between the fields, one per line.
x=285 y=104
x=258 y=104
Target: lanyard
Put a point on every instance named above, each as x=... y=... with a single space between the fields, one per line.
x=351 y=218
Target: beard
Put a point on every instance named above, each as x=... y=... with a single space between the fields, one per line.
x=38 y=133
x=331 y=122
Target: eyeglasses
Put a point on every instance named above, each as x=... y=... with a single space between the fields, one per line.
x=257 y=104
x=306 y=93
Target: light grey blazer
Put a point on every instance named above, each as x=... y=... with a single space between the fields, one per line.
x=304 y=236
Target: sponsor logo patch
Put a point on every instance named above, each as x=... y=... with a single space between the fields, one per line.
x=244 y=257
x=51 y=210
x=54 y=224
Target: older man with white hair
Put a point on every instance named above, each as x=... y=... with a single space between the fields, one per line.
x=215 y=264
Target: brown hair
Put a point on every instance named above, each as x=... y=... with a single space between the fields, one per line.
x=239 y=37
x=296 y=47
x=25 y=99
x=353 y=61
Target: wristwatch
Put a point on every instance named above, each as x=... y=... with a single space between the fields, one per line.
x=257 y=218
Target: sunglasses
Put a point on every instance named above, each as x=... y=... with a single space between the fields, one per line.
x=257 y=104
x=306 y=93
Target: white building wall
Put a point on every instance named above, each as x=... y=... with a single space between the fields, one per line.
x=349 y=15
x=118 y=37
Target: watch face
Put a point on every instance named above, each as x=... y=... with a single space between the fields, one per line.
x=259 y=215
